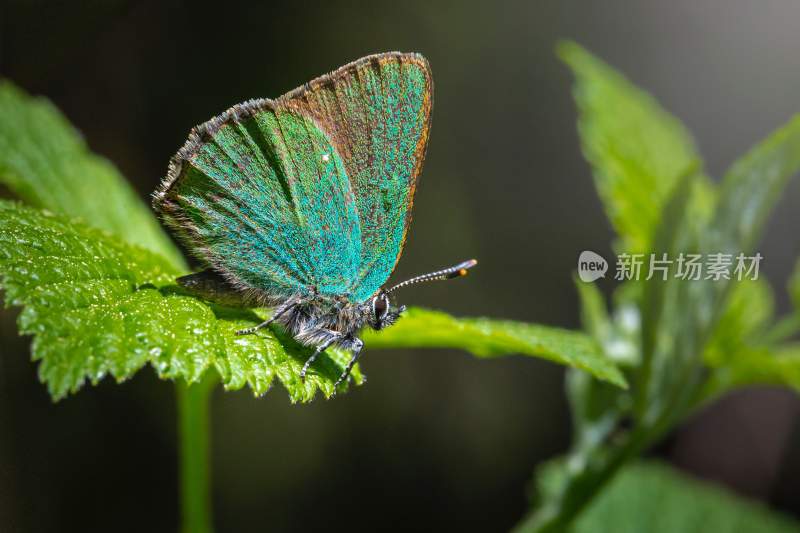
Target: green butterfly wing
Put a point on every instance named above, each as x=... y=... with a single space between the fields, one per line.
x=311 y=192
x=377 y=111
x=261 y=195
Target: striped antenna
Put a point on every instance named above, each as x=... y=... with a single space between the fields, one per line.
x=448 y=273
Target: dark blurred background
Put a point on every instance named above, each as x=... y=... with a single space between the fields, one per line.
x=437 y=440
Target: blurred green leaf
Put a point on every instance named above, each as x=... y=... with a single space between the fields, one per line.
x=647 y=174
x=596 y=407
x=672 y=331
x=779 y=366
x=46 y=163
x=617 y=334
x=749 y=192
x=652 y=497
x=794 y=288
x=751 y=187
x=636 y=149
x=746 y=317
x=741 y=351
x=99 y=307
x=594 y=314
x=681 y=318
x=420 y=328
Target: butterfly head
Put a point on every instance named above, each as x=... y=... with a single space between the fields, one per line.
x=381 y=312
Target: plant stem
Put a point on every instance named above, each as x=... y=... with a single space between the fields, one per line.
x=556 y=516
x=195 y=478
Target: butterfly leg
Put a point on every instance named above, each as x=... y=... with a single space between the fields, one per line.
x=279 y=312
x=334 y=336
x=356 y=345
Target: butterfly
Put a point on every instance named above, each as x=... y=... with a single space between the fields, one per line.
x=303 y=203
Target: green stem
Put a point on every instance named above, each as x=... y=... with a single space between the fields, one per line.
x=195 y=478
x=558 y=514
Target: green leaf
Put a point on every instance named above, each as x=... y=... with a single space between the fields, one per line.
x=46 y=163
x=794 y=288
x=652 y=497
x=99 y=307
x=747 y=196
x=636 y=149
x=671 y=330
x=749 y=192
x=742 y=352
x=419 y=328
x=778 y=366
x=752 y=186
x=594 y=314
x=596 y=407
x=683 y=318
x=743 y=323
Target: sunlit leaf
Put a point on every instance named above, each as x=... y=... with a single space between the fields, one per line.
x=483 y=337
x=98 y=307
x=46 y=163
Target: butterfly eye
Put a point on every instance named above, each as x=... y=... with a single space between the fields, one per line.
x=380 y=306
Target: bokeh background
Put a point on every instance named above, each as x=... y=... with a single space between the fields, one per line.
x=437 y=441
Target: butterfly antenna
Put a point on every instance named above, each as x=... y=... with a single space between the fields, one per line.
x=448 y=273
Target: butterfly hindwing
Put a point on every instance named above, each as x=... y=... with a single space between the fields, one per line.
x=312 y=191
